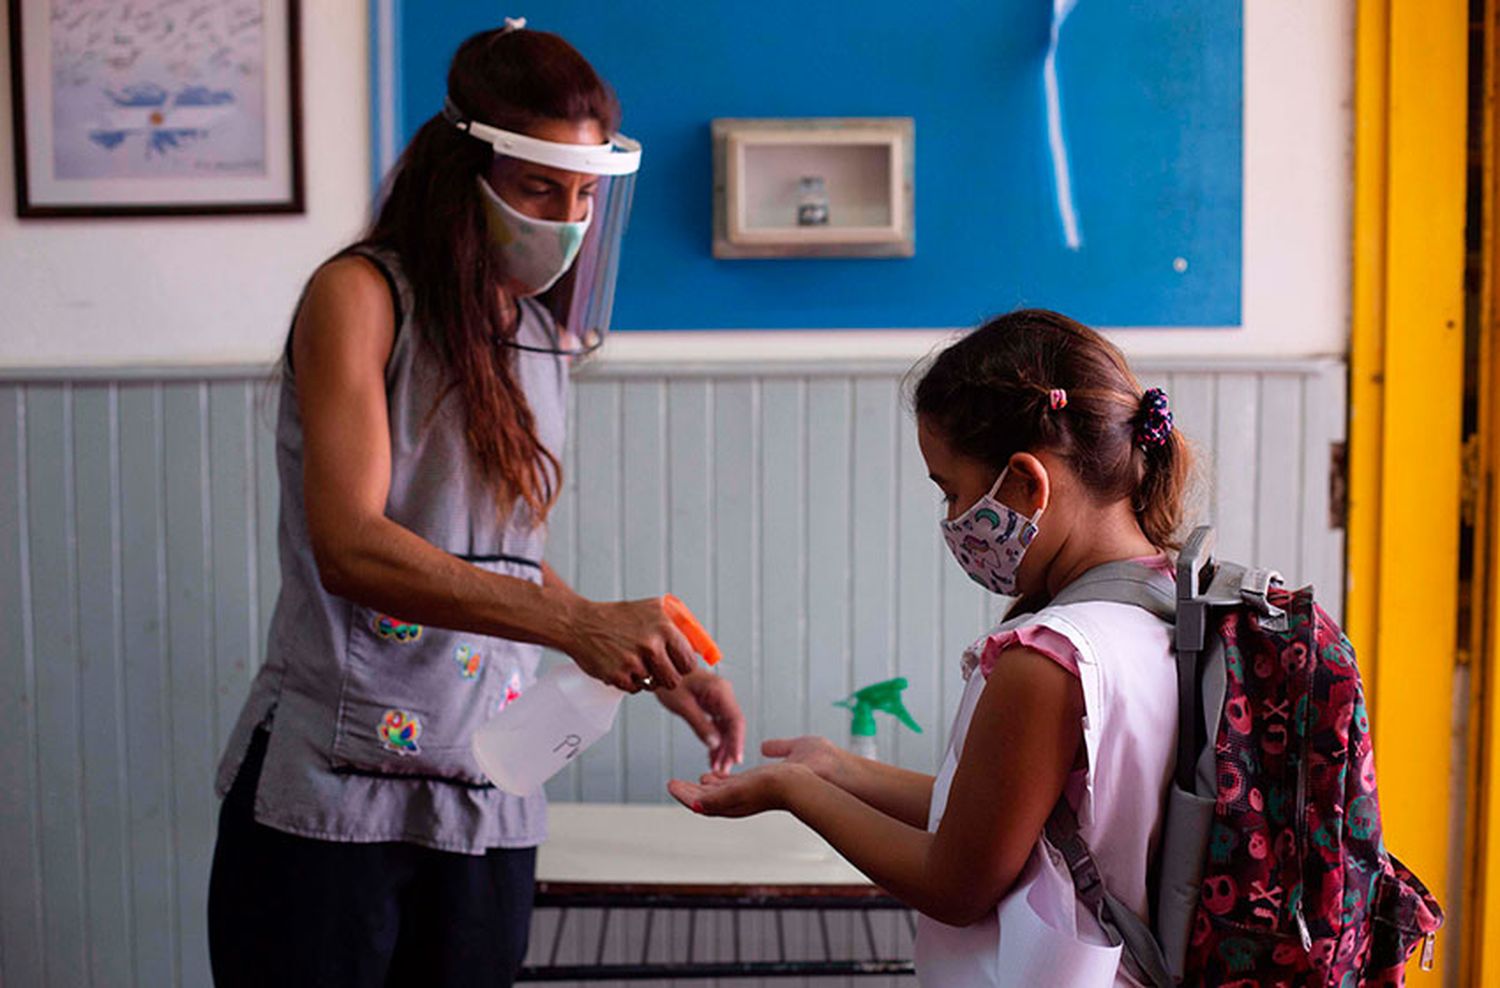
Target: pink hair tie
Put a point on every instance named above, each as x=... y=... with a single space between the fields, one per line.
x=1058 y=398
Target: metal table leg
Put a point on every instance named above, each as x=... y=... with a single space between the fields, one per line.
x=562 y=921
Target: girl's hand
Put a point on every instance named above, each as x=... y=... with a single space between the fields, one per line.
x=707 y=703
x=627 y=643
x=827 y=760
x=767 y=787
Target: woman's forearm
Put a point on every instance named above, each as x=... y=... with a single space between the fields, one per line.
x=378 y=563
x=388 y=568
x=552 y=580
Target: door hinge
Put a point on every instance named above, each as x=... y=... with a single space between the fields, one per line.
x=1338 y=485
x=1468 y=505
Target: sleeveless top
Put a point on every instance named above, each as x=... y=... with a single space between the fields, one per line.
x=1040 y=933
x=370 y=716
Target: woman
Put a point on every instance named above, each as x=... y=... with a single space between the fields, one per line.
x=418 y=443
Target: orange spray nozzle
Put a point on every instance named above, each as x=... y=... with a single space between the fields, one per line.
x=695 y=633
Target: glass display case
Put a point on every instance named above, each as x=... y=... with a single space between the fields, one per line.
x=829 y=187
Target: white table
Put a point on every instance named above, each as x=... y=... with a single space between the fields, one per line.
x=642 y=845
x=654 y=860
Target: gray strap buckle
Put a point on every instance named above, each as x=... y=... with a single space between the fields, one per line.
x=1255 y=588
x=1062 y=831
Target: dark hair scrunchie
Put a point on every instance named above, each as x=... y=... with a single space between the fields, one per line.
x=1155 y=420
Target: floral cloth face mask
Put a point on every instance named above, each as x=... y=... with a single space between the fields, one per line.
x=989 y=539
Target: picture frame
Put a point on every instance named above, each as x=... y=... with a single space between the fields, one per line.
x=156 y=107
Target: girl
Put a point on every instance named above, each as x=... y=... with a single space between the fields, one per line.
x=1051 y=461
x=418 y=442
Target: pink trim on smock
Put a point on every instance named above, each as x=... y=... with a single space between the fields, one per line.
x=1035 y=637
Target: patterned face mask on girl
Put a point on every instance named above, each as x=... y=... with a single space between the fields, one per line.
x=989 y=539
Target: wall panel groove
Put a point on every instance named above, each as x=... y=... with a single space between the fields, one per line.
x=22 y=951
x=54 y=642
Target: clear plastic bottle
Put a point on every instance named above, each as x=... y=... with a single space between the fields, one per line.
x=543 y=729
x=812 y=201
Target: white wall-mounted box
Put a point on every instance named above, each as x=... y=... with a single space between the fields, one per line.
x=865 y=164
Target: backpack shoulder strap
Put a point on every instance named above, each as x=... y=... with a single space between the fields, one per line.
x=1202 y=587
x=1142 y=950
x=1124 y=582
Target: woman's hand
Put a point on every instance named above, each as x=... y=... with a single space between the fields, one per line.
x=707 y=703
x=767 y=787
x=827 y=760
x=631 y=645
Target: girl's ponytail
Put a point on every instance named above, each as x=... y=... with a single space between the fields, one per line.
x=1164 y=475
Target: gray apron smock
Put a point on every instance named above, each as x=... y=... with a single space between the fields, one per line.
x=370 y=716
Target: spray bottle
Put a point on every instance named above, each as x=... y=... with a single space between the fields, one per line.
x=881 y=696
x=561 y=715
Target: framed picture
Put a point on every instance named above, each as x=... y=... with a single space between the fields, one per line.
x=156 y=107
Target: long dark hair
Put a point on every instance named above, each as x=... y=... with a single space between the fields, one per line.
x=432 y=218
x=990 y=395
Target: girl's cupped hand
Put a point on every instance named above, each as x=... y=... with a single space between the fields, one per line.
x=767 y=787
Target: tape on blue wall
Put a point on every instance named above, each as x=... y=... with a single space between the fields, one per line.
x=1151 y=97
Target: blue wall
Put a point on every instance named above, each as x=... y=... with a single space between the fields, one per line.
x=1151 y=95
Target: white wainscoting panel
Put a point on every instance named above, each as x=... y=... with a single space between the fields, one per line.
x=786 y=504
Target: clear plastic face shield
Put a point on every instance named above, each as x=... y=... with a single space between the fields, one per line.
x=582 y=297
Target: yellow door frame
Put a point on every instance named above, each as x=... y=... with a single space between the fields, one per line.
x=1406 y=381
x=1482 y=853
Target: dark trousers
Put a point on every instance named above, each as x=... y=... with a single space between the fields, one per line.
x=292 y=911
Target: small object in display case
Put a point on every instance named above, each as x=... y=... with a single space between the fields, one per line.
x=812 y=201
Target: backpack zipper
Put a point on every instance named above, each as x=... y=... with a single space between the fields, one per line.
x=1429 y=948
x=1302 y=931
x=1306 y=742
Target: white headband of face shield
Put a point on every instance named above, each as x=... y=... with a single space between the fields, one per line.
x=617 y=156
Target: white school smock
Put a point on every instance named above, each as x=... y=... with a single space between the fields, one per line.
x=1040 y=934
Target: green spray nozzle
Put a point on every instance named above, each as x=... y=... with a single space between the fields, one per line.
x=881 y=696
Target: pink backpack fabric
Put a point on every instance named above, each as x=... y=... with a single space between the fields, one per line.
x=1273 y=867
x=1298 y=888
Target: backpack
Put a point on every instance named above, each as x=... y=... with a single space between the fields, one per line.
x=1272 y=870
